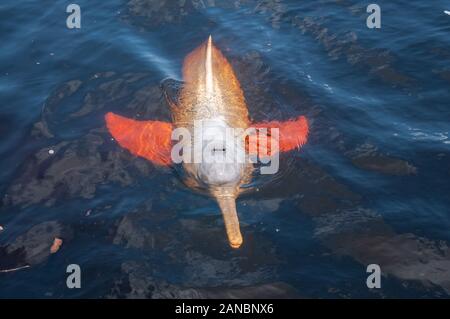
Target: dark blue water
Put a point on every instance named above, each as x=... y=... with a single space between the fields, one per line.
x=371 y=185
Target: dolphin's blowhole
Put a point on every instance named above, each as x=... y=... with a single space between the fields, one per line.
x=222 y=154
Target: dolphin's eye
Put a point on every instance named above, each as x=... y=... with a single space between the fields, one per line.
x=219 y=149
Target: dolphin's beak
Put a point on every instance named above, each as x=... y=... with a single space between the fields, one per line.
x=227 y=205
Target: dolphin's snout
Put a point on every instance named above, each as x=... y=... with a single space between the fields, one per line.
x=236 y=242
x=227 y=204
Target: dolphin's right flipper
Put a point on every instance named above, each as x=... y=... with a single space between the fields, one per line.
x=293 y=134
x=148 y=139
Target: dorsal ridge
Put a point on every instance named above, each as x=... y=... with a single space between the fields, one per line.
x=209 y=68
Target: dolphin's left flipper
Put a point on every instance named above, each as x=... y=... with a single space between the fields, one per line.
x=293 y=134
x=148 y=139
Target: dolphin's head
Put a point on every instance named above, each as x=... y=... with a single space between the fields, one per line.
x=222 y=154
x=221 y=170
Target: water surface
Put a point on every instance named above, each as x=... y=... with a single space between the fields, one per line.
x=370 y=186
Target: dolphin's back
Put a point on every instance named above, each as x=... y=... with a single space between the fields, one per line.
x=211 y=89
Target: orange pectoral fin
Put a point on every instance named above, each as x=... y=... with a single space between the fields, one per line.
x=292 y=134
x=148 y=139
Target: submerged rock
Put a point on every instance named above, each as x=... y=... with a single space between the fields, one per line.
x=34 y=246
x=136 y=283
x=385 y=165
x=161 y=12
x=367 y=157
x=404 y=256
